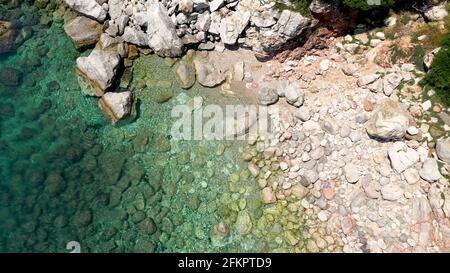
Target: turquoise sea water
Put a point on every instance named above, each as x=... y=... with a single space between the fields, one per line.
x=67 y=174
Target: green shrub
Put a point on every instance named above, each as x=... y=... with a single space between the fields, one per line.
x=280 y=6
x=368 y=4
x=413 y=55
x=405 y=19
x=301 y=6
x=439 y=76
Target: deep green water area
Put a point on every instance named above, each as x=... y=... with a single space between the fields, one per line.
x=67 y=174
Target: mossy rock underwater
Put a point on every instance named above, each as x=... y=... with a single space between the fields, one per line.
x=163 y=97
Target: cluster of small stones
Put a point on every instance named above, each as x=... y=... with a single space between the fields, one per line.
x=286 y=202
x=360 y=157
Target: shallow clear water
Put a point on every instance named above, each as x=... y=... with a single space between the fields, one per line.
x=66 y=174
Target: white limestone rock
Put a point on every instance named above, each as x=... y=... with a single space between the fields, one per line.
x=97 y=71
x=388 y=122
x=89 y=8
x=116 y=106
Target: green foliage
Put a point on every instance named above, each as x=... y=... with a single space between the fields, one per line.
x=417 y=57
x=414 y=55
x=280 y=6
x=405 y=19
x=434 y=32
x=301 y=6
x=439 y=76
x=368 y=4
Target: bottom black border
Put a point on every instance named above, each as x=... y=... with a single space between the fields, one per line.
x=226 y=262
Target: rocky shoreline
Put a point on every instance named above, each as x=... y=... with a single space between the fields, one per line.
x=180 y=25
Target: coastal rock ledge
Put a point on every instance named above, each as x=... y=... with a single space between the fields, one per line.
x=168 y=27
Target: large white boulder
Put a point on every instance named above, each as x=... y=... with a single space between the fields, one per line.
x=96 y=72
x=135 y=36
x=163 y=38
x=89 y=8
x=430 y=170
x=83 y=32
x=388 y=122
x=208 y=74
x=292 y=23
x=232 y=26
x=116 y=106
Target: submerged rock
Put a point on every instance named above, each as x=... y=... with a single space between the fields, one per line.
x=161 y=143
x=127 y=78
x=185 y=74
x=10 y=76
x=243 y=223
x=163 y=97
x=268 y=195
x=144 y=246
x=54 y=184
x=208 y=74
x=82 y=218
x=148 y=226
x=116 y=106
x=83 y=31
x=97 y=72
x=219 y=233
x=388 y=121
x=8 y=37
